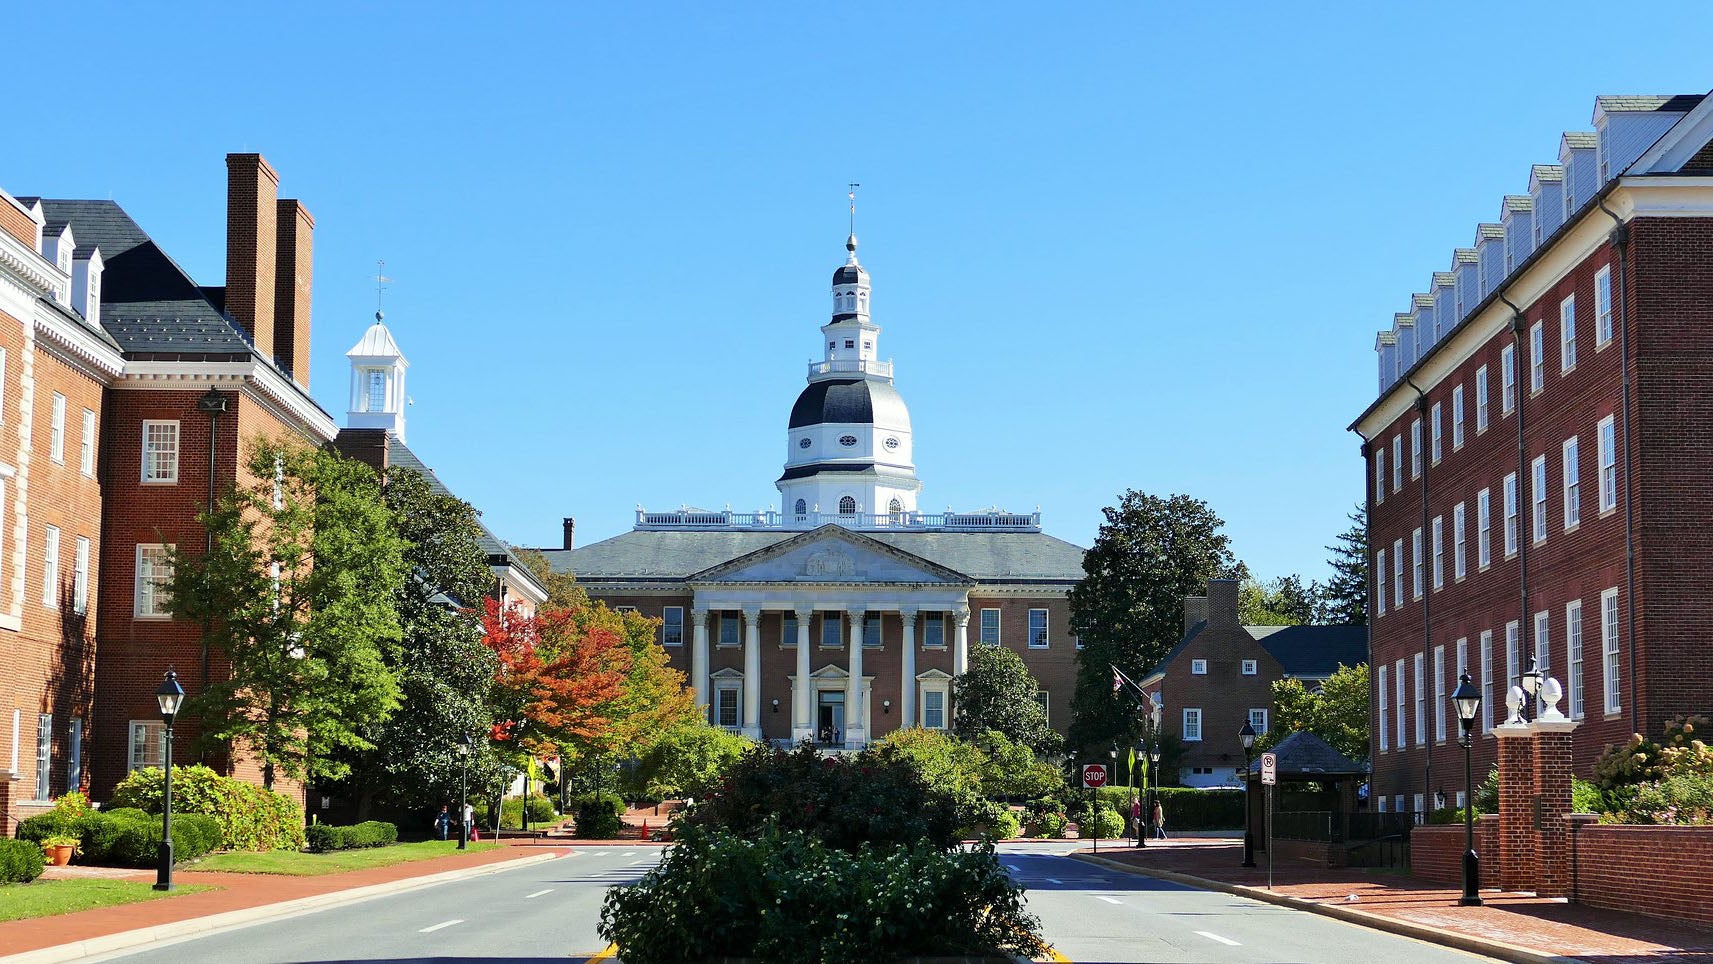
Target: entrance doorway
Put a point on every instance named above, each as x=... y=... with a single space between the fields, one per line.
x=830 y=717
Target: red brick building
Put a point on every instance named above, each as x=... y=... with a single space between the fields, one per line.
x=1538 y=465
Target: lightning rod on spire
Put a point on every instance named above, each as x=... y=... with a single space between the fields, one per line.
x=381 y=281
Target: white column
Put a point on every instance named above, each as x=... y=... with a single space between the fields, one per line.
x=699 y=662
x=961 y=642
x=907 y=681
x=855 y=731
x=803 y=707
x=752 y=672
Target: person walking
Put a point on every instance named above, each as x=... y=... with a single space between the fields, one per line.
x=1136 y=817
x=443 y=820
x=470 y=821
x=1159 y=821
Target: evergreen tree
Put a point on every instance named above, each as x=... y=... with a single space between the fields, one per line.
x=997 y=693
x=1343 y=599
x=1128 y=608
x=1284 y=601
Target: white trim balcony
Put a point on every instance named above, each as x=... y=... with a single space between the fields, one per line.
x=987 y=520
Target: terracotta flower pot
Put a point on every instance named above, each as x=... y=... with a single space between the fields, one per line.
x=61 y=855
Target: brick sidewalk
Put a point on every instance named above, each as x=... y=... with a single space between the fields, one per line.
x=235 y=892
x=1549 y=926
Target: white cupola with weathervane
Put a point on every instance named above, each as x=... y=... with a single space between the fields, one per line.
x=849 y=457
x=377 y=381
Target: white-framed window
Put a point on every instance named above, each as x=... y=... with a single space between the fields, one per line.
x=1573 y=655
x=1462 y=657
x=1421 y=698
x=1402 y=734
x=1567 y=334
x=933 y=707
x=1459 y=548
x=80 y=576
x=153 y=574
x=1380 y=804
x=160 y=452
x=871 y=627
x=50 y=567
x=989 y=627
x=1417 y=562
x=731 y=633
x=1397 y=463
x=1439 y=694
x=1603 y=307
x=1481 y=399
x=1037 y=629
x=1198 y=667
x=1416 y=800
x=1572 y=485
x=1537 y=497
x=1609 y=647
x=1460 y=799
x=44 y=754
x=1249 y=667
x=1543 y=645
x=1380 y=581
x=1508 y=379
x=1042 y=701
x=1385 y=729
x=728 y=696
x=1537 y=356
x=1438 y=450
x=934 y=631
x=1510 y=514
x=672 y=626
x=1484 y=528
x=1416 y=449
x=1487 y=681
x=56 y=429
x=1398 y=573
x=375 y=389
x=1608 y=436
x=1513 y=654
x=788 y=629
x=1380 y=474
x=1439 y=552
x=1258 y=719
x=832 y=630
x=74 y=756
x=1457 y=417
x=86 y=445
x=1192 y=724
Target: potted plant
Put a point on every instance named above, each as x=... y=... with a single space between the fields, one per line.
x=59 y=850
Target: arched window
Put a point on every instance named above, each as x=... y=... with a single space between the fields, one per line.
x=802 y=510
x=896 y=509
x=847 y=506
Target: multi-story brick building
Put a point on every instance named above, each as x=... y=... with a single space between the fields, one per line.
x=1538 y=465
x=1222 y=673
x=845 y=614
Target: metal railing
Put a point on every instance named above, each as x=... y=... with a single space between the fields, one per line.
x=994 y=520
x=1331 y=826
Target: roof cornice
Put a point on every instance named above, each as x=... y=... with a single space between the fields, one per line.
x=73 y=340
x=257 y=379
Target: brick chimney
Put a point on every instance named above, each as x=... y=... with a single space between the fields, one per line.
x=252 y=195
x=294 y=243
x=1222 y=602
x=570 y=530
x=1195 y=610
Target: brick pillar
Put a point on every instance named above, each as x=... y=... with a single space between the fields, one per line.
x=1551 y=752
x=1516 y=806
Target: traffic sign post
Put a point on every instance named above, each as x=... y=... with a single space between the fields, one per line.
x=1094 y=777
x=1269 y=777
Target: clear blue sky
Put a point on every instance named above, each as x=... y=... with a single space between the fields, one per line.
x=1113 y=245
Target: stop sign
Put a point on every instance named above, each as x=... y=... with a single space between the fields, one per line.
x=1094 y=775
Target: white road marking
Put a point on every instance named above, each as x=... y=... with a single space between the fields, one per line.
x=1110 y=900
x=442 y=924
x=1228 y=942
x=635 y=862
x=628 y=853
x=538 y=893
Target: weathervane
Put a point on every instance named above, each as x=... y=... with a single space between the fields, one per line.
x=381 y=282
x=854 y=185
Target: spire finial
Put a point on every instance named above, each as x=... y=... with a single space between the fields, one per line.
x=381 y=282
x=851 y=242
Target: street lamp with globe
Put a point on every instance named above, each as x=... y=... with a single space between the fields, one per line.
x=1247 y=735
x=463 y=747
x=1467 y=701
x=170 y=697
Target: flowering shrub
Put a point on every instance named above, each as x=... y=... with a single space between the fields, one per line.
x=250 y=817
x=786 y=896
x=1668 y=782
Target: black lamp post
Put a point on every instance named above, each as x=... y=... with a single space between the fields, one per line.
x=1154 y=769
x=463 y=747
x=170 y=696
x=1247 y=735
x=1530 y=681
x=1467 y=700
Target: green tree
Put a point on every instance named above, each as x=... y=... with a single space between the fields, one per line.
x=1284 y=601
x=300 y=595
x=1337 y=712
x=444 y=670
x=688 y=761
x=998 y=693
x=1128 y=608
x=1343 y=599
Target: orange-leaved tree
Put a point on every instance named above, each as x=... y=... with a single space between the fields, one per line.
x=559 y=678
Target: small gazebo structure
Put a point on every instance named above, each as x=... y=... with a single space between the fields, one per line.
x=1303 y=758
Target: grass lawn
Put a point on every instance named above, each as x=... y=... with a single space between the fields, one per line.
x=46 y=897
x=339 y=861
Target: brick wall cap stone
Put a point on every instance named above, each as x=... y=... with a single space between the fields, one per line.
x=1549 y=726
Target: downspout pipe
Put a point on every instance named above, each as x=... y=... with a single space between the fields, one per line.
x=1524 y=644
x=1427 y=583
x=1621 y=242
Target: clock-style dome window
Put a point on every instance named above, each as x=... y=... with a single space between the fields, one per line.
x=847 y=440
x=803 y=443
x=891 y=443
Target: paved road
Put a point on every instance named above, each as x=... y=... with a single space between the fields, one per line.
x=542 y=912
x=1092 y=914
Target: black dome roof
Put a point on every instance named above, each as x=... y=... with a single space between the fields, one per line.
x=838 y=401
x=849 y=274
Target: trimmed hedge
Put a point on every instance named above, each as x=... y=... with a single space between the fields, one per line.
x=511 y=811
x=21 y=861
x=600 y=816
x=250 y=817
x=323 y=837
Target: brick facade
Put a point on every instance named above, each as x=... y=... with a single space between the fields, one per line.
x=1436 y=852
x=1657 y=871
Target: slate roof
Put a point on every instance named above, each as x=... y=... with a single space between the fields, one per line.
x=1305 y=652
x=1647 y=102
x=1302 y=754
x=841 y=401
x=675 y=554
x=1581 y=139
x=400 y=455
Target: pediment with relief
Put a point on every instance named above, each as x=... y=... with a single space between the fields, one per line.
x=837 y=556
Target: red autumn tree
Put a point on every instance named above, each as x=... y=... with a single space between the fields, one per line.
x=558 y=678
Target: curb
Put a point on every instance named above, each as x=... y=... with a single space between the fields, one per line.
x=232 y=919
x=1432 y=935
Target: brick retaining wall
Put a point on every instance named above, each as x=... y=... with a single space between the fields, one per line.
x=1659 y=871
x=1436 y=853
